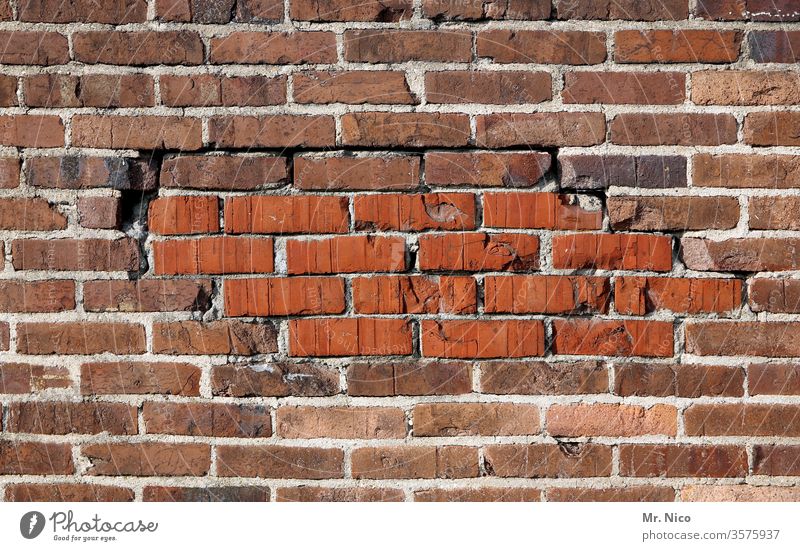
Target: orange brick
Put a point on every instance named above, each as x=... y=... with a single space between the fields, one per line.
x=213 y=255
x=482 y=338
x=179 y=215
x=286 y=214
x=539 y=210
x=350 y=254
x=350 y=337
x=284 y=296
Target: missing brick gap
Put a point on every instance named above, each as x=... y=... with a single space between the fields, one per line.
x=570 y=449
x=134 y=204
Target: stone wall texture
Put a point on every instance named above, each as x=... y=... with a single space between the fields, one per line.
x=399 y=250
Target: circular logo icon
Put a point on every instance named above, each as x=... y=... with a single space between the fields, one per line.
x=31 y=524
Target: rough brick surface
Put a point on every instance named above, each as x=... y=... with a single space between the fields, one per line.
x=396 y=250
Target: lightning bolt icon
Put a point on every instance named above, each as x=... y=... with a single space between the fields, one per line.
x=34 y=521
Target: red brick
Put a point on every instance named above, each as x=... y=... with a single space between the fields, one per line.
x=747 y=254
x=543 y=378
x=546 y=46
x=772 y=128
x=775 y=460
x=552 y=294
x=613 y=337
x=65 y=492
x=30 y=214
x=72 y=418
x=673 y=129
x=415 y=462
x=350 y=254
x=742 y=420
x=447 y=419
x=351 y=10
x=138 y=47
x=352 y=87
x=678 y=46
x=387 y=172
x=136 y=132
x=116 y=12
x=205 y=90
x=570 y=460
x=4 y=336
x=35 y=458
x=388 y=129
x=495 y=87
x=483 y=494
x=626 y=494
x=718 y=338
x=773 y=213
x=19 y=378
x=774 y=295
x=395 y=46
x=272 y=131
x=611 y=420
x=103 y=213
x=200 y=419
x=774 y=378
x=539 y=210
x=349 y=337
x=629 y=10
x=214 y=255
x=478 y=252
x=183 y=215
x=638 y=296
x=57 y=90
x=276 y=48
x=37 y=296
x=80 y=337
x=214 y=337
x=239 y=494
x=287 y=214
x=147 y=459
x=312 y=494
x=672 y=213
x=124 y=377
x=492 y=9
x=411 y=378
x=274 y=379
x=542 y=129
x=485 y=168
x=280 y=462
x=414 y=295
x=31 y=130
x=637 y=88
x=284 y=296
x=482 y=338
x=219 y=12
x=663 y=460
x=747 y=10
x=19 y=47
x=613 y=252
x=341 y=422
x=146 y=295
x=8 y=91
x=9 y=172
x=224 y=173
x=404 y=212
x=685 y=381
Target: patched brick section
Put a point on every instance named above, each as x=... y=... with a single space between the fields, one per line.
x=395 y=250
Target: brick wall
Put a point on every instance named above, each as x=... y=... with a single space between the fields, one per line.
x=396 y=250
